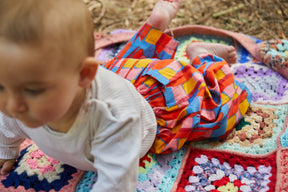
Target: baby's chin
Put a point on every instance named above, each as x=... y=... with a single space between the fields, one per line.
x=27 y=123
x=32 y=124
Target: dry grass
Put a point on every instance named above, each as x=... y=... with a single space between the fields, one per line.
x=264 y=19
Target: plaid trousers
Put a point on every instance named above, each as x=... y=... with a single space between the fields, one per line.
x=191 y=102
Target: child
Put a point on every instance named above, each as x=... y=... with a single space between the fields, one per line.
x=53 y=92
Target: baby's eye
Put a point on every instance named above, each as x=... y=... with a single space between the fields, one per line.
x=1 y=88
x=34 y=91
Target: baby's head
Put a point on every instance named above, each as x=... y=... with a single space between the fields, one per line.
x=45 y=57
x=65 y=23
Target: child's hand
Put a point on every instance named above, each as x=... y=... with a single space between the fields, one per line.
x=6 y=165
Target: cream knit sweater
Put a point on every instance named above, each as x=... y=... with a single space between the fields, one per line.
x=113 y=129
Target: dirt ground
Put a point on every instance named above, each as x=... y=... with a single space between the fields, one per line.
x=264 y=19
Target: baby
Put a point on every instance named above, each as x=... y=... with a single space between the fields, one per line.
x=104 y=118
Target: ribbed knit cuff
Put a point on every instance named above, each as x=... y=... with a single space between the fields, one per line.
x=9 y=152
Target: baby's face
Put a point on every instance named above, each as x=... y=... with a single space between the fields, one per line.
x=35 y=87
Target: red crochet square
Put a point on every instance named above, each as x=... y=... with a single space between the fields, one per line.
x=217 y=171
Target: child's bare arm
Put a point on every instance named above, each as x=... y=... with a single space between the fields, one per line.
x=6 y=165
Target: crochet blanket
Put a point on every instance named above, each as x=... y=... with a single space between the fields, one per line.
x=252 y=158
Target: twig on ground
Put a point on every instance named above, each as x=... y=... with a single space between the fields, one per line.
x=232 y=9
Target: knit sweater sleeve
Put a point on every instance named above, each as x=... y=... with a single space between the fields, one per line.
x=10 y=137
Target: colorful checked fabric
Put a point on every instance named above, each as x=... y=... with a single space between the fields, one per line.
x=191 y=102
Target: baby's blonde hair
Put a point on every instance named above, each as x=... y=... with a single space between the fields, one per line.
x=32 y=21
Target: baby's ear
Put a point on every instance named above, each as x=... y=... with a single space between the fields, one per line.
x=88 y=71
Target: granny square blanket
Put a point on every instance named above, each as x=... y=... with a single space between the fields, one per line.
x=253 y=158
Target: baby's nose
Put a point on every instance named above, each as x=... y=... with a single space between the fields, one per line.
x=15 y=105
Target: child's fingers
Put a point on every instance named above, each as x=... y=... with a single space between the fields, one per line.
x=7 y=166
x=2 y=161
